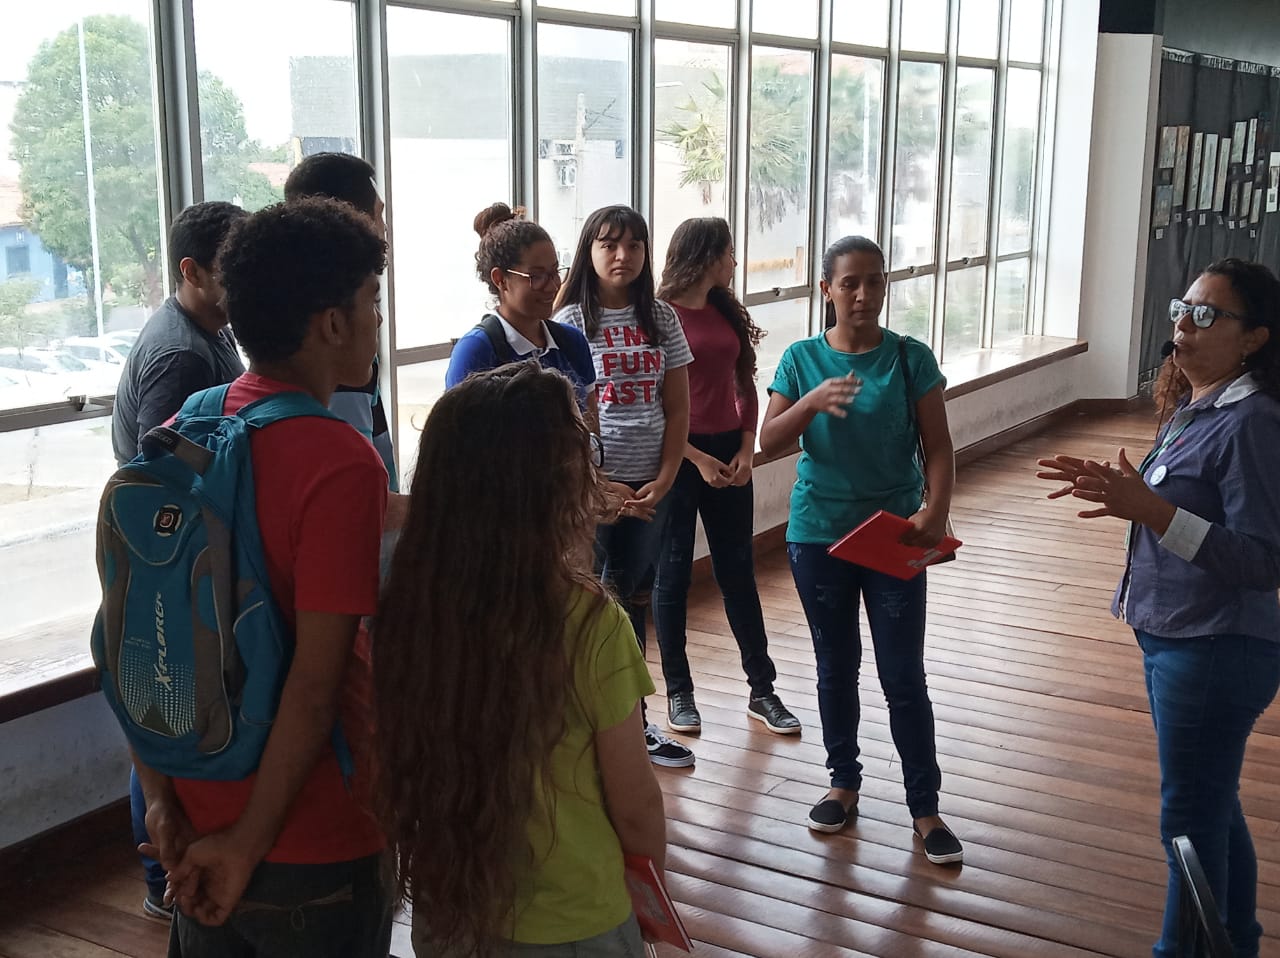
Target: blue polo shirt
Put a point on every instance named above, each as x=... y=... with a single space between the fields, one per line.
x=851 y=467
x=473 y=353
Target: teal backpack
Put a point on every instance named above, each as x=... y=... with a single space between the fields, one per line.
x=191 y=648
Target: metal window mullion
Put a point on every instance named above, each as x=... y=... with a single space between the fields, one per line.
x=179 y=102
x=889 y=132
x=912 y=272
x=693 y=33
x=790 y=43
x=524 y=125
x=576 y=18
x=740 y=115
x=643 y=119
x=482 y=7
x=857 y=49
x=967 y=262
x=1000 y=95
x=1041 y=207
x=819 y=166
x=373 y=81
x=945 y=168
x=779 y=294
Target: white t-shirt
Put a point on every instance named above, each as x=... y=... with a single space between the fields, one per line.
x=629 y=377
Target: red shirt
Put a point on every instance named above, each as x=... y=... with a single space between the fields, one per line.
x=715 y=404
x=322 y=493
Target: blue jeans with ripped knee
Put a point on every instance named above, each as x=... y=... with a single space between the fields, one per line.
x=829 y=590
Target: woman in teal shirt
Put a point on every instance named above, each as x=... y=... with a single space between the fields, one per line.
x=844 y=395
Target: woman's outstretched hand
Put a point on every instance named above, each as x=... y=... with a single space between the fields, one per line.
x=1119 y=490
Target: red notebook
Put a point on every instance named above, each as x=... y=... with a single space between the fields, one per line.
x=875 y=544
x=655 y=911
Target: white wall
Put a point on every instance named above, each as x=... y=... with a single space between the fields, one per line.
x=1118 y=216
x=57 y=765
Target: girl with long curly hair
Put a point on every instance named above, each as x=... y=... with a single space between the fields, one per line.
x=714 y=480
x=642 y=389
x=512 y=777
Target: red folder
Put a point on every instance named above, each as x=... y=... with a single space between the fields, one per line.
x=655 y=911
x=875 y=544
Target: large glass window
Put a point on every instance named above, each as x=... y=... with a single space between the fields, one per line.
x=778 y=168
x=621 y=8
x=786 y=322
x=911 y=306
x=865 y=22
x=277 y=82
x=853 y=164
x=1026 y=31
x=584 y=127
x=1011 y=300
x=1021 y=127
x=924 y=26
x=971 y=163
x=691 y=103
x=707 y=13
x=83 y=261
x=962 y=317
x=786 y=18
x=979 y=28
x=450 y=97
x=418 y=386
x=915 y=184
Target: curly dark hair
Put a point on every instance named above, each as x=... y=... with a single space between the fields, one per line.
x=696 y=246
x=198 y=232
x=282 y=265
x=473 y=640
x=582 y=286
x=339 y=176
x=504 y=236
x=1259 y=290
x=842 y=247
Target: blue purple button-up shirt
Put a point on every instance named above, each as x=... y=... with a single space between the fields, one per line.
x=1217 y=567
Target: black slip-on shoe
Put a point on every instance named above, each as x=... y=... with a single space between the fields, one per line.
x=830 y=816
x=941 y=847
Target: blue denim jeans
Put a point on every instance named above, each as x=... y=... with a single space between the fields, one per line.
x=152 y=869
x=340 y=910
x=624 y=941
x=626 y=553
x=728 y=517
x=1205 y=694
x=829 y=591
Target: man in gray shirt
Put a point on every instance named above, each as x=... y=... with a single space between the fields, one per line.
x=185 y=346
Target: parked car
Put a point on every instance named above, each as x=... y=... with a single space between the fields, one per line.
x=110 y=348
x=45 y=369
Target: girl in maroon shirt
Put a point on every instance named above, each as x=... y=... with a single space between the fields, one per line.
x=715 y=478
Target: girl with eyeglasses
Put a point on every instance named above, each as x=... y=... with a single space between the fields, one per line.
x=1201 y=571
x=512 y=778
x=714 y=480
x=517 y=261
x=642 y=391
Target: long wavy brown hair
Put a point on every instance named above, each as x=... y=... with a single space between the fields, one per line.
x=1259 y=289
x=472 y=666
x=696 y=246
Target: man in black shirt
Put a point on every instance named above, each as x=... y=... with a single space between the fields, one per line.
x=185 y=346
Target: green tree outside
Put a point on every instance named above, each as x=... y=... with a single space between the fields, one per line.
x=48 y=145
x=20 y=326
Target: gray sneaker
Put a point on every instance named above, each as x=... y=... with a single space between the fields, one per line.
x=682 y=713
x=665 y=751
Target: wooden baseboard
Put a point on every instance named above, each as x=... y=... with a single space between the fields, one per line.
x=64 y=843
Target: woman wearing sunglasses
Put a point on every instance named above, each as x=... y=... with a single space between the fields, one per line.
x=518 y=262
x=1202 y=570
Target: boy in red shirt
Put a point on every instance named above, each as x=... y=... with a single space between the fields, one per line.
x=287 y=861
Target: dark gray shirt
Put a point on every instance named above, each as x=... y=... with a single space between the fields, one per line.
x=1216 y=569
x=172 y=359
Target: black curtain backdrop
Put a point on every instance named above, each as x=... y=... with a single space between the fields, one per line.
x=1210 y=95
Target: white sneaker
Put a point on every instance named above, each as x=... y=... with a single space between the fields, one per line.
x=666 y=751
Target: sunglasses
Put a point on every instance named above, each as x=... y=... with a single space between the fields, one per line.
x=1203 y=316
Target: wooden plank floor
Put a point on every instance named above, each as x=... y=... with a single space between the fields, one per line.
x=1044 y=738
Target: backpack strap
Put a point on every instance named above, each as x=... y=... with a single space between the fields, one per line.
x=206 y=402
x=284 y=405
x=558 y=334
x=491 y=326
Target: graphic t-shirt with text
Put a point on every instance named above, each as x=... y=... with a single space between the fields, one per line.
x=629 y=376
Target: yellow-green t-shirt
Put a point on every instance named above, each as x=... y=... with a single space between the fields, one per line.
x=577 y=888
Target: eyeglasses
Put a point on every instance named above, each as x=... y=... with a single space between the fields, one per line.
x=597 y=450
x=543 y=280
x=1202 y=315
